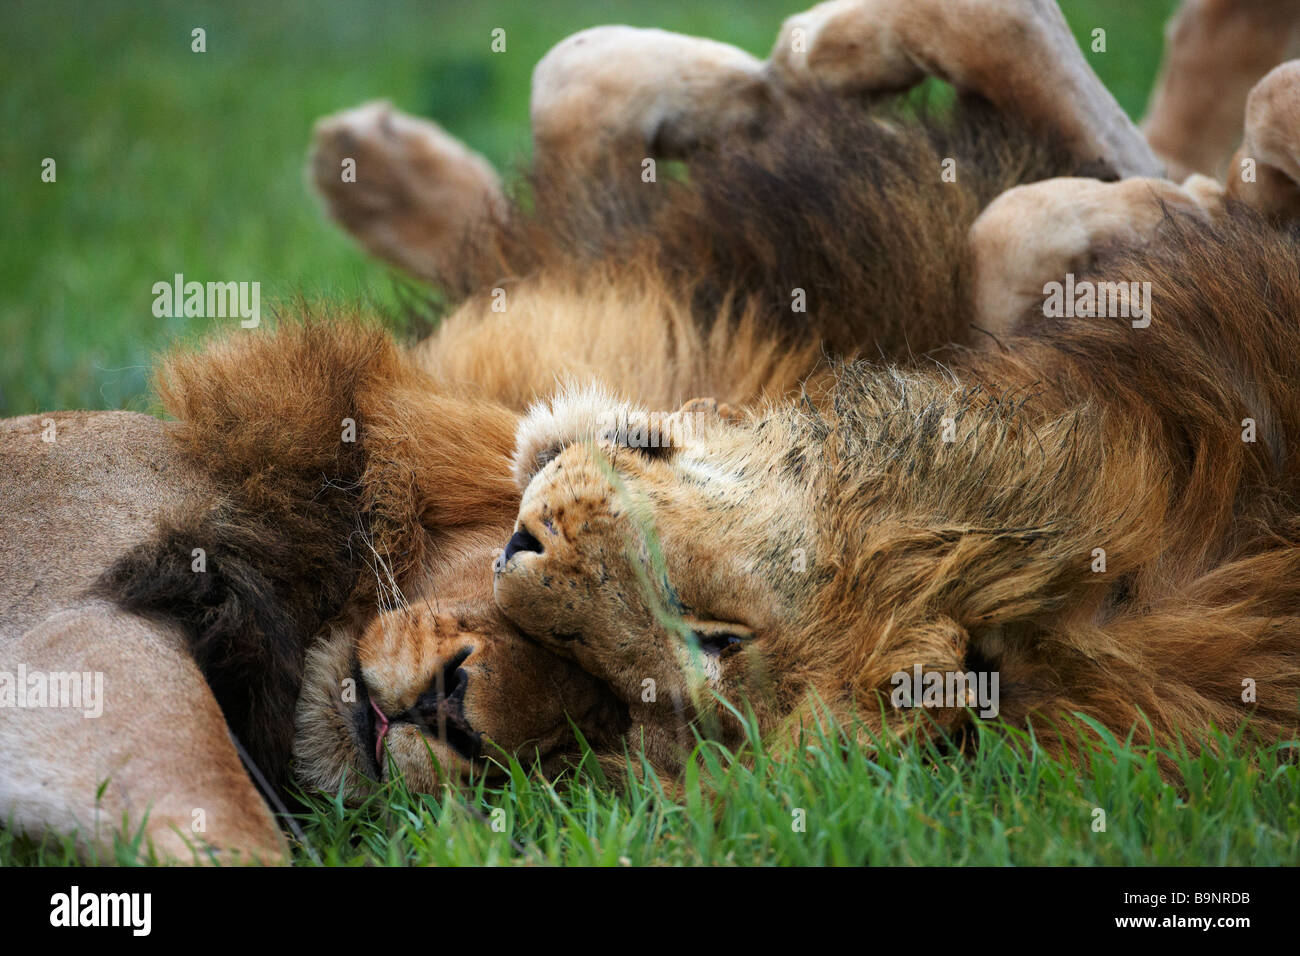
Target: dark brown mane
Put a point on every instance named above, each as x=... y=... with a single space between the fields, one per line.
x=841 y=198
x=302 y=525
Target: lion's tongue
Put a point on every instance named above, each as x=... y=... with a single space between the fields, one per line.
x=379 y=738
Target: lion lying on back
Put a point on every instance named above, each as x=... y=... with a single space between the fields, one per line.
x=1099 y=510
x=813 y=528
x=1106 y=517
x=1073 y=508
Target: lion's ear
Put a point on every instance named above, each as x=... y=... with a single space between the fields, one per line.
x=574 y=414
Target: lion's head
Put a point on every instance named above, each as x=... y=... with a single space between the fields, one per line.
x=810 y=553
x=439 y=686
x=638 y=555
x=354 y=511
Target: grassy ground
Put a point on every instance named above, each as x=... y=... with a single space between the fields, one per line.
x=171 y=161
x=834 y=804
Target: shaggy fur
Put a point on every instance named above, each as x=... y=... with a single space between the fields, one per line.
x=665 y=292
x=814 y=203
x=304 y=524
x=1078 y=434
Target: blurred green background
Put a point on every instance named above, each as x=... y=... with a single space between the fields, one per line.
x=173 y=161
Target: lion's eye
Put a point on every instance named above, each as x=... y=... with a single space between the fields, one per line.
x=651 y=451
x=719 y=638
x=648 y=446
x=719 y=645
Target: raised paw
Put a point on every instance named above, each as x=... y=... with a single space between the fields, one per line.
x=622 y=93
x=1035 y=234
x=1266 y=170
x=405 y=189
x=1018 y=54
x=1215 y=51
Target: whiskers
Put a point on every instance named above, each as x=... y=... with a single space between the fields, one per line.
x=389 y=598
x=388 y=594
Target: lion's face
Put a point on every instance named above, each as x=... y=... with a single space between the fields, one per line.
x=650 y=567
x=438 y=686
x=803 y=559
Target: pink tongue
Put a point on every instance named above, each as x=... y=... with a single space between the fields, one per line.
x=383 y=729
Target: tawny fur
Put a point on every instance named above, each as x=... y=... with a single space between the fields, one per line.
x=679 y=288
x=663 y=305
x=684 y=292
x=1077 y=435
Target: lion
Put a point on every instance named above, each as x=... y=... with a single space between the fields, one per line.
x=297 y=573
x=1104 y=516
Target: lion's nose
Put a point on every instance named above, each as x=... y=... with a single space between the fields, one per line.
x=441 y=708
x=521 y=540
x=448 y=684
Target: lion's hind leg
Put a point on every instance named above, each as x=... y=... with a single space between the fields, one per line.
x=1265 y=173
x=1215 y=52
x=1017 y=54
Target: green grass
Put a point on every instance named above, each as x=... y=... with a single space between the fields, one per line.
x=172 y=161
x=1009 y=804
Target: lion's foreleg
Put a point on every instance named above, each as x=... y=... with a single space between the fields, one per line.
x=406 y=190
x=616 y=95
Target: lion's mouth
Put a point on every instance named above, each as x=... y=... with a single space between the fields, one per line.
x=366 y=725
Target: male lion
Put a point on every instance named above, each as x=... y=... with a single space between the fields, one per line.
x=1106 y=516
x=306 y=554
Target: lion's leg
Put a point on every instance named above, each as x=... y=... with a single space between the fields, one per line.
x=631 y=94
x=617 y=94
x=147 y=730
x=412 y=195
x=1035 y=234
x=1215 y=51
x=407 y=191
x=1266 y=170
x=1038 y=233
x=1018 y=54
